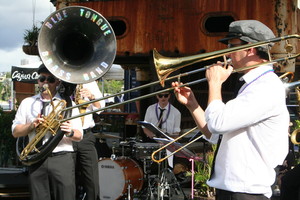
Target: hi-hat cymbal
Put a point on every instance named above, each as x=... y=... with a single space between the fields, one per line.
x=106 y=136
x=102 y=123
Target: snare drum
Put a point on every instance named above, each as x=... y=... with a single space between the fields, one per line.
x=116 y=176
x=144 y=150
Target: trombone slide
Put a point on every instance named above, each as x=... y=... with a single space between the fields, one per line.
x=172 y=142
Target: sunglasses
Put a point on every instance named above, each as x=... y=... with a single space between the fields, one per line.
x=163 y=95
x=50 y=79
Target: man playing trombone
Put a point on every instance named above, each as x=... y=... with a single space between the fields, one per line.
x=252 y=129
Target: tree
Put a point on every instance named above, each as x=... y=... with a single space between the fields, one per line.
x=5 y=89
x=112 y=86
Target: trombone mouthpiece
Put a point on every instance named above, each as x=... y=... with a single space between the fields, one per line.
x=229 y=61
x=44 y=87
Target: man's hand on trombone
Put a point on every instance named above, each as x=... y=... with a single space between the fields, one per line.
x=184 y=95
x=216 y=75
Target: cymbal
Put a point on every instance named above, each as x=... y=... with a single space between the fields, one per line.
x=106 y=136
x=102 y=123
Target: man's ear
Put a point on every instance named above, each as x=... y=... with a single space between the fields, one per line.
x=251 y=51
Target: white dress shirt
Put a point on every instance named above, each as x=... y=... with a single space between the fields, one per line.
x=94 y=89
x=29 y=109
x=171 y=118
x=255 y=134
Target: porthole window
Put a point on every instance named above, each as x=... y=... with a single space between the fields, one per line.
x=216 y=23
x=119 y=26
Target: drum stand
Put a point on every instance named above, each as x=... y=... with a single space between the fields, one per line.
x=164 y=185
x=170 y=187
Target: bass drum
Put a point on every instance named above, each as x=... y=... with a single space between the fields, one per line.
x=117 y=176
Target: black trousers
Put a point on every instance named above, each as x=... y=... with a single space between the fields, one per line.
x=87 y=165
x=227 y=195
x=290 y=184
x=54 y=178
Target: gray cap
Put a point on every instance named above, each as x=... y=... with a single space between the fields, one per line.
x=249 y=31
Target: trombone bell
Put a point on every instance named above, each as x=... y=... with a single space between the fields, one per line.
x=165 y=66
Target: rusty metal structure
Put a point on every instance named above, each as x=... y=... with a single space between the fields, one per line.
x=179 y=28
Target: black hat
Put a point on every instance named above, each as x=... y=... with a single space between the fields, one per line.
x=160 y=88
x=249 y=31
x=43 y=69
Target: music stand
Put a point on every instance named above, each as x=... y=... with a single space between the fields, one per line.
x=185 y=153
x=154 y=129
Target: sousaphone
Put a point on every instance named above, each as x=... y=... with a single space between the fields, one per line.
x=77 y=45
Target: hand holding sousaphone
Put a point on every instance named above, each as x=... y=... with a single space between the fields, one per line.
x=77 y=45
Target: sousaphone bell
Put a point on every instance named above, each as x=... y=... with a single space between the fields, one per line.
x=77 y=44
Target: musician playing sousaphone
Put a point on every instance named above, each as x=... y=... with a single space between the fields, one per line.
x=54 y=176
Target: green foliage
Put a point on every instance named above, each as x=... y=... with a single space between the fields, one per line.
x=1 y=91
x=112 y=86
x=297 y=124
x=7 y=141
x=31 y=36
x=202 y=174
x=5 y=88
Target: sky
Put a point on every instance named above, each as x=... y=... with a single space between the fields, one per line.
x=17 y=16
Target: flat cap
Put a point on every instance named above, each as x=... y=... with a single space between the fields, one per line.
x=249 y=31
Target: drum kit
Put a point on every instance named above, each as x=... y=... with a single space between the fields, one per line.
x=129 y=173
x=137 y=176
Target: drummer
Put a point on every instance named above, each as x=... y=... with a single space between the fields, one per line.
x=163 y=115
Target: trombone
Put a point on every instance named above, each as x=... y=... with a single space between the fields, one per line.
x=173 y=141
x=165 y=66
